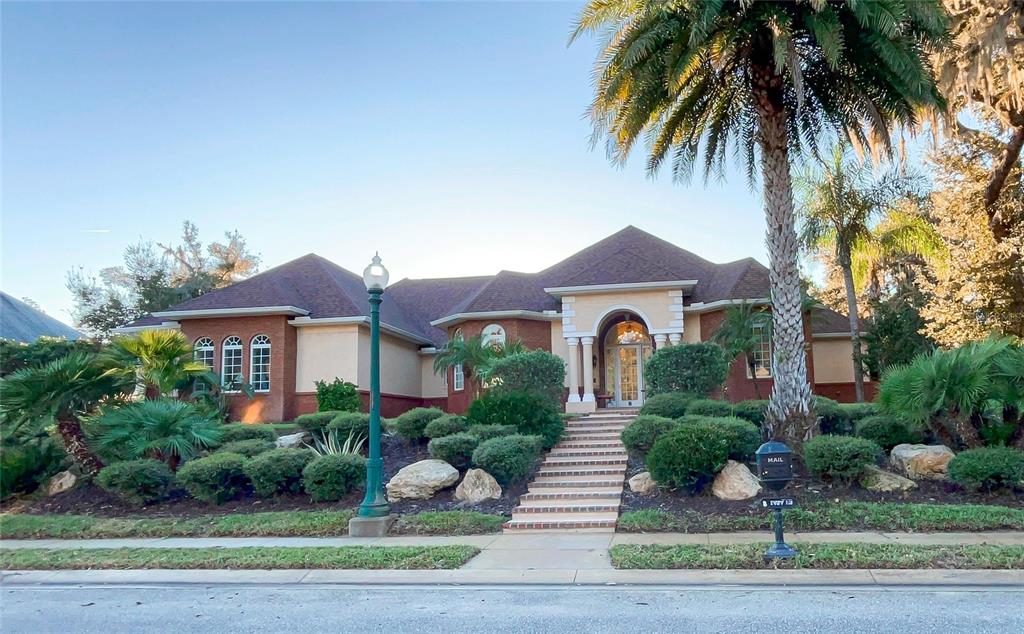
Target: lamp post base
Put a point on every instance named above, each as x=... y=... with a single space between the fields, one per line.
x=370 y=526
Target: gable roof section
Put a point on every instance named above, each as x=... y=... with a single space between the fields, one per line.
x=21 y=322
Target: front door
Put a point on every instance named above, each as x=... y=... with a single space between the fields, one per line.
x=629 y=376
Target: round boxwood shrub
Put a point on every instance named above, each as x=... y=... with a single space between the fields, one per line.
x=839 y=458
x=278 y=471
x=216 y=478
x=667 y=404
x=355 y=423
x=832 y=417
x=247 y=448
x=639 y=436
x=698 y=368
x=316 y=421
x=887 y=432
x=137 y=481
x=532 y=414
x=988 y=468
x=445 y=426
x=743 y=436
x=752 y=410
x=688 y=457
x=456 y=449
x=411 y=425
x=332 y=477
x=486 y=432
x=241 y=431
x=709 y=407
x=508 y=458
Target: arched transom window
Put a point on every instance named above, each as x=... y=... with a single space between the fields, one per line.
x=493 y=335
x=259 y=363
x=231 y=364
x=203 y=351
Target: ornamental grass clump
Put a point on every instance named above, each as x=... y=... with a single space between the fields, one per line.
x=216 y=479
x=411 y=425
x=330 y=478
x=456 y=449
x=639 y=436
x=279 y=471
x=445 y=426
x=840 y=458
x=137 y=482
x=688 y=457
x=988 y=468
x=667 y=404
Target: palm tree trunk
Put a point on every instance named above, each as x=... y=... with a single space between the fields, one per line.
x=789 y=415
x=73 y=437
x=753 y=376
x=851 y=308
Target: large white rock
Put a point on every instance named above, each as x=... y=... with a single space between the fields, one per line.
x=476 y=486
x=421 y=480
x=63 y=481
x=643 y=483
x=292 y=440
x=875 y=479
x=735 y=482
x=921 y=462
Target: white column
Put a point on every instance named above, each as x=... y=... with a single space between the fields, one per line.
x=588 y=369
x=659 y=342
x=574 y=374
x=674 y=338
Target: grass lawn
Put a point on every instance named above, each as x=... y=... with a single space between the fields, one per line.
x=820 y=556
x=887 y=516
x=349 y=557
x=271 y=523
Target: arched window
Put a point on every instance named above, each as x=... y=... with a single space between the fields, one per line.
x=231 y=364
x=762 y=357
x=493 y=335
x=203 y=351
x=458 y=372
x=259 y=363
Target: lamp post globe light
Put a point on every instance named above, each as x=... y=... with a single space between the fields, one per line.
x=374 y=517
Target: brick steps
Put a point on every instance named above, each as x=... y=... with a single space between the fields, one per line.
x=579 y=485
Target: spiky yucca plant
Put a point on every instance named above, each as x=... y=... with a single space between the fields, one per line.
x=166 y=429
x=767 y=78
x=328 y=442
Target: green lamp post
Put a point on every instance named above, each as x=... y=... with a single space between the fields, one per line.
x=375 y=504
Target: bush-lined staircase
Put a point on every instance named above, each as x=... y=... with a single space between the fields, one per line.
x=579 y=484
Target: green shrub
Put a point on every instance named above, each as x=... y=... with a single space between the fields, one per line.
x=530 y=413
x=688 y=457
x=332 y=477
x=445 y=426
x=456 y=449
x=247 y=448
x=752 y=410
x=25 y=464
x=241 y=431
x=743 y=436
x=709 y=407
x=832 y=417
x=856 y=411
x=667 y=404
x=640 y=435
x=337 y=396
x=887 y=432
x=278 y=471
x=137 y=481
x=486 y=432
x=317 y=421
x=697 y=368
x=166 y=428
x=412 y=424
x=840 y=458
x=508 y=458
x=535 y=372
x=355 y=423
x=216 y=478
x=988 y=468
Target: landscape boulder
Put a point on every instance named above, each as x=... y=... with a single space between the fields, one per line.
x=63 y=481
x=735 y=482
x=421 y=480
x=477 y=486
x=296 y=441
x=643 y=483
x=921 y=462
x=879 y=481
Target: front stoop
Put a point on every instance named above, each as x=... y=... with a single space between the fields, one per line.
x=579 y=485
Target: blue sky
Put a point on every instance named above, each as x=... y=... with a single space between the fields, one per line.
x=448 y=136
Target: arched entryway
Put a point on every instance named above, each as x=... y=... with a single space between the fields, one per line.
x=625 y=346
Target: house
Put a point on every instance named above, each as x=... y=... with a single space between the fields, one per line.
x=604 y=310
x=23 y=323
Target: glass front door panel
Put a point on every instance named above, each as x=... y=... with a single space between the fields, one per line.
x=629 y=379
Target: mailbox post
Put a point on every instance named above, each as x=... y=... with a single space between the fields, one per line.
x=775 y=469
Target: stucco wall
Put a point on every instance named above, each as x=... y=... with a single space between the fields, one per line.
x=325 y=352
x=691 y=328
x=431 y=385
x=400 y=371
x=833 y=361
x=561 y=348
x=654 y=305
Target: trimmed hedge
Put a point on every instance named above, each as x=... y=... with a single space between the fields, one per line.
x=857 y=411
x=445 y=426
x=508 y=458
x=355 y=423
x=887 y=432
x=534 y=372
x=278 y=471
x=241 y=431
x=216 y=478
x=667 y=404
x=698 y=368
x=839 y=458
x=988 y=468
x=332 y=477
x=532 y=414
x=316 y=421
x=688 y=457
x=832 y=417
x=486 y=432
x=640 y=435
x=752 y=410
x=455 y=449
x=710 y=407
x=743 y=436
x=412 y=424
x=247 y=448
x=137 y=482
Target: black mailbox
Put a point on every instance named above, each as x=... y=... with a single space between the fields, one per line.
x=774 y=465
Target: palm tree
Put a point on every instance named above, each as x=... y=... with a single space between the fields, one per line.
x=476 y=357
x=902 y=235
x=162 y=359
x=740 y=334
x=838 y=201
x=165 y=429
x=767 y=78
x=64 y=390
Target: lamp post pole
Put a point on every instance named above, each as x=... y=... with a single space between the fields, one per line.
x=375 y=504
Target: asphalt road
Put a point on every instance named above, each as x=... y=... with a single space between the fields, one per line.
x=297 y=610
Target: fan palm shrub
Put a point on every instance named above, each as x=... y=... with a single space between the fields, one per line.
x=476 y=356
x=767 y=79
x=168 y=430
x=740 y=334
x=162 y=360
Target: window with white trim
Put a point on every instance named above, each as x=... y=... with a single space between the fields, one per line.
x=259 y=363
x=231 y=364
x=493 y=335
x=202 y=352
x=762 y=351
x=458 y=378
